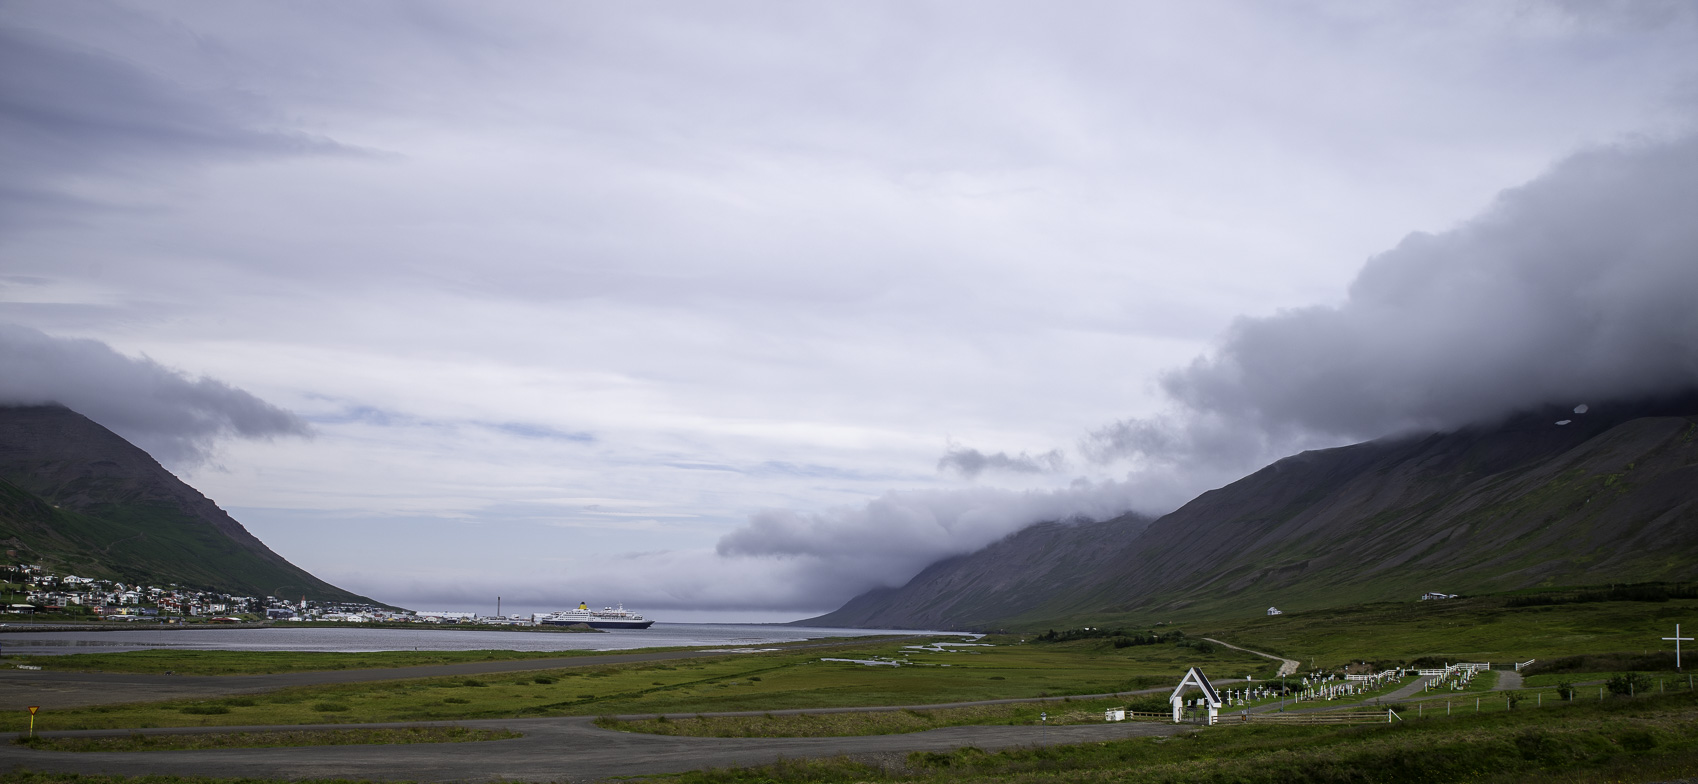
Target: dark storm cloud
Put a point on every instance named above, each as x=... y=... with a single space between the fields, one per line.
x=176 y=418
x=1578 y=286
x=68 y=110
x=971 y=462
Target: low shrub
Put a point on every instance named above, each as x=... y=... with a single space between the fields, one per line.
x=204 y=710
x=1149 y=705
x=1603 y=662
x=1200 y=646
x=1630 y=684
x=329 y=707
x=456 y=700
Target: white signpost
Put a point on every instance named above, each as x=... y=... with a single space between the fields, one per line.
x=1677 y=638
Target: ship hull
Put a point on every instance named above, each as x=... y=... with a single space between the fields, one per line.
x=601 y=623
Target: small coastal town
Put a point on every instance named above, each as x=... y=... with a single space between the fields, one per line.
x=31 y=590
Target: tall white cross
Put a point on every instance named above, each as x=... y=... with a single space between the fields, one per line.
x=1677 y=638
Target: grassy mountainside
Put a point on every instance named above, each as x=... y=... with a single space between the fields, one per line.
x=1612 y=496
x=78 y=498
x=1021 y=574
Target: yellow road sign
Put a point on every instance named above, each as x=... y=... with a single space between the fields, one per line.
x=33 y=709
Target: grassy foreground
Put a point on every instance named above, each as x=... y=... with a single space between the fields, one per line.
x=751 y=682
x=260 y=740
x=1620 y=740
x=1617 y=740
x=183 y=662
x=820 y=725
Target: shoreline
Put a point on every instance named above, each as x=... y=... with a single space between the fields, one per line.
x=158 y=626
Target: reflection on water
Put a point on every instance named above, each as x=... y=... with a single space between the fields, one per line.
x=284 y=638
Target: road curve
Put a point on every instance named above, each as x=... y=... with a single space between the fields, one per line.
x=1286 y=666
x=555 y=749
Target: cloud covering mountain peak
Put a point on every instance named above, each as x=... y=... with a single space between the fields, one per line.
x=1576 y=286
x=176 y=418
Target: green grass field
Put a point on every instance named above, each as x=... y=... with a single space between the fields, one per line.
x=821 y=725
x=1482 y=630
x=760 y=682
x=1619 y=740
x=271 y=662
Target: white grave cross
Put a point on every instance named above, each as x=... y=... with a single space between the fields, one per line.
x=1677 y=638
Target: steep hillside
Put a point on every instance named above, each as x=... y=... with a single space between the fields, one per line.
x=1019 y=575
x=77 y=496
x=1610 y=496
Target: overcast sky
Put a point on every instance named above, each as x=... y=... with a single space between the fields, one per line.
x=733 y=310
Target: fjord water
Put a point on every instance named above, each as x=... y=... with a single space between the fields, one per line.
x=354 y=640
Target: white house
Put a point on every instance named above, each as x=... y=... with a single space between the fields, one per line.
x=1274 y=611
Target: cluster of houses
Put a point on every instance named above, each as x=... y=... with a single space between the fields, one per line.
x=42 y=591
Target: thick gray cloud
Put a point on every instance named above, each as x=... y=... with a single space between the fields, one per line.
x=1577 y=286
x=69 y=112
x=971 y=462
x=173 y=416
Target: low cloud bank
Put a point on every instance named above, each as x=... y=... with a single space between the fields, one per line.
x=1577 y=286
x=176 y=418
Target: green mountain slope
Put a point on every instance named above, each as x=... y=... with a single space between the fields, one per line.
x=80 y=499
x=1611 y=496
x=1018 y=575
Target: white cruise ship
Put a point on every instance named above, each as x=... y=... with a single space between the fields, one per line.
x=605 y=618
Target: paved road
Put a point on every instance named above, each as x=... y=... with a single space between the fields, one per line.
x=1286 y=666
x=557 y=749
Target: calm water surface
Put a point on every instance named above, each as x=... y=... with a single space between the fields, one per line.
x=283 y=638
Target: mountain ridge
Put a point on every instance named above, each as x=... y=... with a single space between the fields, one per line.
x=1612 y=495
x=74 y=492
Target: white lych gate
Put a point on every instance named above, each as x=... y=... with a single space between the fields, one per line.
x=1195 y=677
